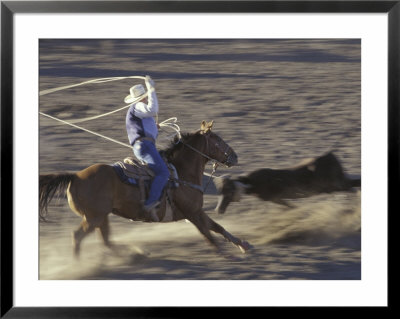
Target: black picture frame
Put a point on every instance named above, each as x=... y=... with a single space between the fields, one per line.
x=9 y=8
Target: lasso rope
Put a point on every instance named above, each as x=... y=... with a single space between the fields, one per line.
x=98 y=116
x=86 y=130
x=95 y=81
x=170 y=123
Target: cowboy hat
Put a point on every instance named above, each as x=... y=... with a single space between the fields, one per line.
x=137 y=93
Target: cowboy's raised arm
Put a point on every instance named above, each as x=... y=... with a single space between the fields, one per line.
x=151 y=108
x=152 y=96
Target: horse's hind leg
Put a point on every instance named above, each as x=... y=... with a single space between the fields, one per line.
x=105 y=232
x=242 y=244
x=84 y=229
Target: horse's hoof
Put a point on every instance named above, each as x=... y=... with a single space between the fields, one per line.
x=245 y=246
x=77 y=253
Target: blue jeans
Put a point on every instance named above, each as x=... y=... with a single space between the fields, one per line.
x=146 y=151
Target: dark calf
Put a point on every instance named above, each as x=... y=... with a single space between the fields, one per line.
x=323 y=174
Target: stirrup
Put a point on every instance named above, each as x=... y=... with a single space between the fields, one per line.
x=150 y=207
x=151 y=210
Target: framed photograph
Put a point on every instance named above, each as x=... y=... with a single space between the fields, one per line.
x=279 y=124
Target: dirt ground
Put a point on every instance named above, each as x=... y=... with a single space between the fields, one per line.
x=275 y=102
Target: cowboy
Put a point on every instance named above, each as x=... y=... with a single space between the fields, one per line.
x=142 y=132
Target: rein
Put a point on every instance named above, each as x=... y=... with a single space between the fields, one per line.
x=185 y=183
x=216 y=162
x=197 y=151
x=215 y=165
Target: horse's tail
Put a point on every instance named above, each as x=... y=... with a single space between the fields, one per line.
x=49 y=186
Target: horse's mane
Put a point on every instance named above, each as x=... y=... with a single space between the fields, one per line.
x=175 y=145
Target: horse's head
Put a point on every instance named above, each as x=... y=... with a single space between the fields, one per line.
x=216 y=148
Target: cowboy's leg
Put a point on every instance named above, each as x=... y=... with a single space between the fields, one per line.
x=147 y=152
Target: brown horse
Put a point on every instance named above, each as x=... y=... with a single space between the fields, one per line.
x=95 y=192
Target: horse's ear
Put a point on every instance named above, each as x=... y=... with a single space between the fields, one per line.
x=205 y=127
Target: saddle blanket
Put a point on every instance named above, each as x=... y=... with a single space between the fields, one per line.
x=124 y=178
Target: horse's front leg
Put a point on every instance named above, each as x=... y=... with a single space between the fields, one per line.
x=242 y=244
x=203 y=226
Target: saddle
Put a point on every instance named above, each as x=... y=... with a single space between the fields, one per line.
x=133 y=172
x=135 y=169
